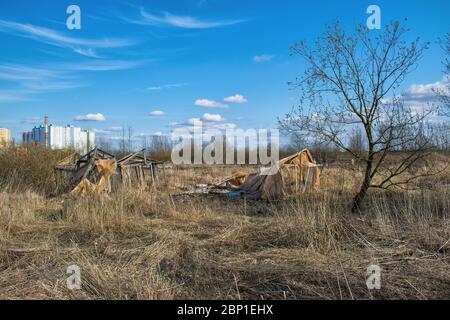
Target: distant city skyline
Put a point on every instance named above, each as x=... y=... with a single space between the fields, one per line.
x=60 y=137
x=160 y=65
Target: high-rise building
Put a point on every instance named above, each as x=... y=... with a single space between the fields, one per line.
x=27 y=137
x=5 y=137
x=56 y=137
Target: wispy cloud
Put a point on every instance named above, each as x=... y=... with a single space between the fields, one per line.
x=87 y=52
x=206 y=122
x=167 y=86
x=26 y=81
x=263 y=57
x=20 y=72
x=98 y=117
x=52 y=37
x=103 y=65
x=152 y=134
x=107 y=131
x=48 y=86
x=32 y=120
x=185 y=22
x=13 y=96
x=205 y=128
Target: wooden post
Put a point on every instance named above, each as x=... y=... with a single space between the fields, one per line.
x=308 y=179
x=164 y=172
x=121 y=175
x=151 y=174
x=156 y=173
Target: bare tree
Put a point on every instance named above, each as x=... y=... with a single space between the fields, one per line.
x=440 y=133
x=444 y=93
x=123 y=145
x=104 y=144
x=130 y=146
x=297 y=141
x=349 y=82
x=144 y=142
x=356 y=141
x=160 y=147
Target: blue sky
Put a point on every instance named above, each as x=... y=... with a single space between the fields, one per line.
x=226 y=62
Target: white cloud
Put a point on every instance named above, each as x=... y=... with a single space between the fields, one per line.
x=421 y=98
x=212 y=117
x=205 y=103
x=167 y=86
x=157 y=113
x=90 y=117
x=237 y=98
x=263 y=57
x=185 y=22
x=425 y=93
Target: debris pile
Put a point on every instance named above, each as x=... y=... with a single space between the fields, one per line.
x=301 y=170
x=138 y=168
x=296 y=173
x=259 y=185
x=93 y=172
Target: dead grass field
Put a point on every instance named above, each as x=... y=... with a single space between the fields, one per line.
x=140 y=244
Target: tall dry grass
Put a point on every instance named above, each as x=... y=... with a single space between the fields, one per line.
x=157 y=244
x=33 y=171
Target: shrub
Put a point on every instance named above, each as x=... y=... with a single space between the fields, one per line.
x=33 y=171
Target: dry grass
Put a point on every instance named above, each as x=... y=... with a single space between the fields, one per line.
x=154 y=245
x=32 y=171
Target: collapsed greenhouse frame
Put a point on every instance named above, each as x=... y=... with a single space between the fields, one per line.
x=99 y=171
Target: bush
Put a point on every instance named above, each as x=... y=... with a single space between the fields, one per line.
x=33 y=171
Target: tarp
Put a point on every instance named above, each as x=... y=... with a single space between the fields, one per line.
x=266 y=187
x=295 y=173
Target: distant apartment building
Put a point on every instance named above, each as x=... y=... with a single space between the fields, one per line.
x=5 y=137
x=57 y=137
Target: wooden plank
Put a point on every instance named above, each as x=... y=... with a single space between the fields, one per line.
x=151 y=174
x=156 y=174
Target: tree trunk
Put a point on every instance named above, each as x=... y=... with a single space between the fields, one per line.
x=357 y=201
